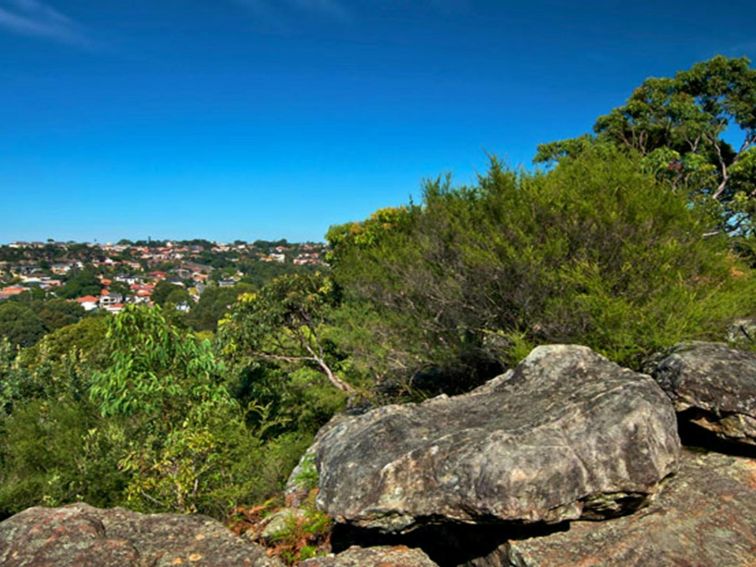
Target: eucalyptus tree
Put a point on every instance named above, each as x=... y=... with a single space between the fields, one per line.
x=696 y=130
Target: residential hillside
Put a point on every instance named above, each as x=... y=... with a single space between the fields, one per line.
x=35 y=278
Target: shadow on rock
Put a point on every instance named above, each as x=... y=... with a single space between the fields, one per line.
x=694 y=436
x=448 y=545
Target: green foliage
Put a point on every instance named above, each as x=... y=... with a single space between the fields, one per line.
x=156 y=371
x=285 y=323
x=257 y=273
x=307 y=475
x=28 y=317
x=86 y=339
x=302 y=537
x=189 y=447
x=10 y=380
x=19 y=324
x=368 y=233
x=595 y=252
x=53 y=454
x=131 y=410
x=177 y=297
x=81 y=283
x=120 y=288
x=201 y=464
x=678 y=124
x=57 y=313
x=213 y=305
x=305 y=532
x=163 y=290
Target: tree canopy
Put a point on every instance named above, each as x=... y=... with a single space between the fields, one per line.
x=696 y=130
x=284 y=322
x=20 y=324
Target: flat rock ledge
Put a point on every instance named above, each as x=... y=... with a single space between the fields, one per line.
x=705 y=516
x=714 y=387
x=566 y=435
x=81 y=535
x=383 y=556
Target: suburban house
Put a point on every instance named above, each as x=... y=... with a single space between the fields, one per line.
x=88 y=302
x=111 y=299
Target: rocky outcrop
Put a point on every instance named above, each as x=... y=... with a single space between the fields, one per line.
x=705 y=516
x=713 y=386
x=566 y=435
x=384 y=556
x=80 y=534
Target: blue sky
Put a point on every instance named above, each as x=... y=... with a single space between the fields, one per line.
x=248 y=119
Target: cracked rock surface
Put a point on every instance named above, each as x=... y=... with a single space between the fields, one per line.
x=383 y=556
x=79 y=535
x=565 y=435
x=705 y=516
x=715 y=386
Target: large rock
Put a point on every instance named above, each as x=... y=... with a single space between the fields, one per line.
x=80 y=535
x=715 y=386
x=567 y=434
x=705 y=517
x=383 y=556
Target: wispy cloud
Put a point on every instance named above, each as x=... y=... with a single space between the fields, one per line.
x=279 y=13
x=37 y=19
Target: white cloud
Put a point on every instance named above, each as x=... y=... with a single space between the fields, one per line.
x=37 y=19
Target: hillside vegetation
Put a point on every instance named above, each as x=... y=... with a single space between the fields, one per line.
x=628 y=241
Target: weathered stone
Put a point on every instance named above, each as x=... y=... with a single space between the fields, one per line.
x=80 y=534
x=567 y=434
x=714 y=386
x=396 y=556
x=705 y=516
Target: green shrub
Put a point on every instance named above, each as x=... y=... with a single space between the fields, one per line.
x=55 y=453
x=153 y=427
x=595 y=252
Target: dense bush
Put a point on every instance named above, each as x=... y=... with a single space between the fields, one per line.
x=594 y=252
x=20 y=324
x=154 y=426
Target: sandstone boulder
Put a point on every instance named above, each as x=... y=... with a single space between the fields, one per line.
x=565 y=435
x=705 y=516
x=80 y=534
x=383 y=556
x=713 y=386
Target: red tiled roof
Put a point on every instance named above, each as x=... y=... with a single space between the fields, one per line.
x=13 y=290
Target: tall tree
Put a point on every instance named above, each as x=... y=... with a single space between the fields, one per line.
x=681 y=126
